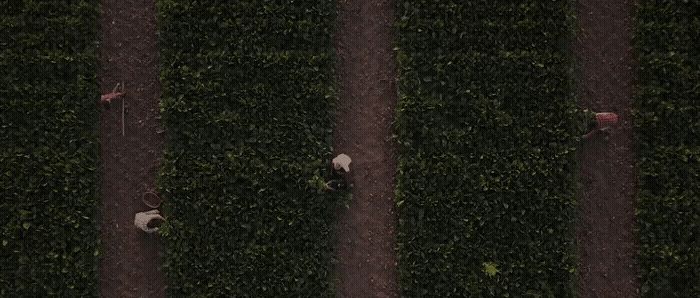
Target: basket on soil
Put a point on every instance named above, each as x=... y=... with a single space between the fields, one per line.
x=151 y=200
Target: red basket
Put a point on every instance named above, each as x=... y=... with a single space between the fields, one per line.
x=605 y=120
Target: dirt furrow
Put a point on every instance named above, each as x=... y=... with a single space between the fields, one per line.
x=366 y=109
x=130 y=260
x=605 y=230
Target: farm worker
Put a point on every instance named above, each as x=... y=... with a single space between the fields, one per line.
x=342 y=161
x=107 y=98
x=340 y=166
x=600 y=122
x=142 y=219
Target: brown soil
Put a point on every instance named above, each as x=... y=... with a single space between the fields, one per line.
x=605 y=231
x=130 y=262
x=366 y=71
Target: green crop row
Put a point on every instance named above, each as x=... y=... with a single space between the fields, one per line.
x=248 y=95
x=667 y=124
x=48 y=148
x=487 y=128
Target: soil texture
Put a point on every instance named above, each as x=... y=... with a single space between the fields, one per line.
x=606 y=240
x=365 y=114
x=130 y=259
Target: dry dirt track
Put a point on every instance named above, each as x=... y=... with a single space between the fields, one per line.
x=129 y=265
x=605 y=231
x=366 y=109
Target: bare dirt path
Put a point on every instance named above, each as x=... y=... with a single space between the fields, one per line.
x=605 y=230
x=366 y=70
x=130 y=261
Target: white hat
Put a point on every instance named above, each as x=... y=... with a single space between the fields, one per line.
x=342 y=161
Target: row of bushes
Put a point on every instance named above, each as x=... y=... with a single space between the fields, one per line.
x=667 y=123
x=487 y=128
x=48 y=149
x=248 y=94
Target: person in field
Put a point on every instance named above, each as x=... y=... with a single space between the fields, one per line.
x=340 y=167
x=599 y=123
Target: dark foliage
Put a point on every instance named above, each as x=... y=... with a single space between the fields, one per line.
x=667 y=123
x=48 y=148
x=487 y=127
x=248 y=100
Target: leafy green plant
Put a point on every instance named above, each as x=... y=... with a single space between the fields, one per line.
x=48 y=149
x=487 y=128
x=667 y=127
x=248 y=94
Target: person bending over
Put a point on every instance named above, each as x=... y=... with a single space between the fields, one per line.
x=340 y=167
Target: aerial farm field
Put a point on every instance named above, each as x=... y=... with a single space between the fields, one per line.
x=186 y=148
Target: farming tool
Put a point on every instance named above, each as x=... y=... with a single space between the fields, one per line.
x=117 y=93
